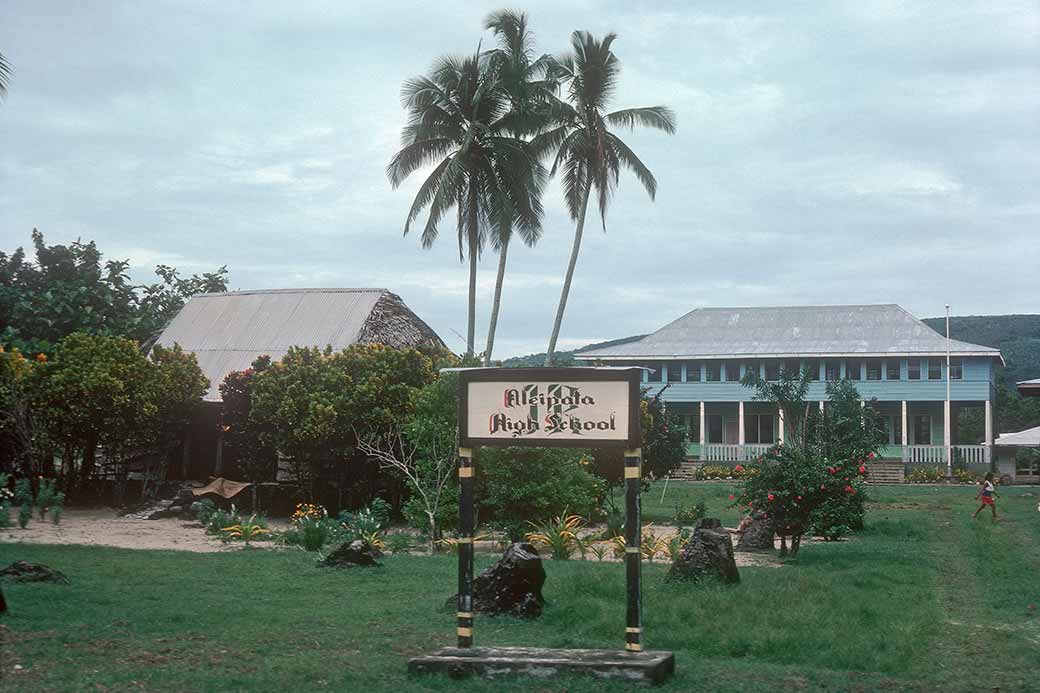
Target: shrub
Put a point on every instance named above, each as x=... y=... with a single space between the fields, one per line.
x=676 y=542
x=311 y=533
x=558 y=534
x=6 y=496
x=792 y=486
x=203 y=509
x=23 y=496
x=516 y=484
x=688 y=514
x=399 y=543
x=965 y=476
x=253 y=529
x=925 y=475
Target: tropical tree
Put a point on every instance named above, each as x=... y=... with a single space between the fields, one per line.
x=529 y=88
x=459 y=119
x=589 y=155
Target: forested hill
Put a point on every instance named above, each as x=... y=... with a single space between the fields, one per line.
x=1017 y=337
x=564 y=358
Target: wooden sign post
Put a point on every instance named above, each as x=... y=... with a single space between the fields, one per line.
x=550 y=407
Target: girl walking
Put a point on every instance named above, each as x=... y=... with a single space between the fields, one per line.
x=987 y=493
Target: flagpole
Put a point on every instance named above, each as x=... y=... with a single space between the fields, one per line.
x=949 y=410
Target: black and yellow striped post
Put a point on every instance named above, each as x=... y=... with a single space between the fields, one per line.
x=464 y=626
x=633 y=567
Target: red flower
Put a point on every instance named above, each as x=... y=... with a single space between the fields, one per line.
x=822 y=487
x=738 y=468
x=862 y=469
x=41 y=358
x=848 y=489
x=798 y=498
x=749 y=505
x=832 y=470
x=771 y=496
x=731 y=496
x=871 y=455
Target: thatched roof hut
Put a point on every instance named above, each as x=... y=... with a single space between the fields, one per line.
x=228 y=331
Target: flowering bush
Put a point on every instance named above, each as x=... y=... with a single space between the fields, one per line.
x=925 y=475
x=689 y=514
x=965 y=476
x=799 y=491
x=308 y=510
x=558 y=534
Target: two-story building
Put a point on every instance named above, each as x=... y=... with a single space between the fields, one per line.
x=891 y=356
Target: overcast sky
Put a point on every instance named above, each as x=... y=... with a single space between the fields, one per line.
x=861 y=152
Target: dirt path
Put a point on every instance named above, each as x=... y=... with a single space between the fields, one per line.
x=104 y=528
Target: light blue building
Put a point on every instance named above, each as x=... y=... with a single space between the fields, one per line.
x=891 y=356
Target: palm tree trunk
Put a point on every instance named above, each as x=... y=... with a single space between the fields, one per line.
x=570 y=274
x=497 y=301
x=472 y=233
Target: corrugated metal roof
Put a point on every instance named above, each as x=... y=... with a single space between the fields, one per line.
x=1028 y=437
x=228 y=331
x=1035 y=381
x=868 y=330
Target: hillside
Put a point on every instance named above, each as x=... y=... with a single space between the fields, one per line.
x=1017 y=337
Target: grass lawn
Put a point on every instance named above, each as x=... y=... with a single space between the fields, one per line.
x=924 y=599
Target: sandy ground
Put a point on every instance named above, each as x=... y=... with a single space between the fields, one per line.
x=104 y=528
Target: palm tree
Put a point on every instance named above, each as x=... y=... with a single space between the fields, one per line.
x=589 y=155
x=5 y=75
x=526 y=84
x=457 y=118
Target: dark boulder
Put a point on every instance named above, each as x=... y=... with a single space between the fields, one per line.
x=710 y=523
x=757 y=537
x=512 y=586
x=353 y=553
x=708 y=554
x=24 y=571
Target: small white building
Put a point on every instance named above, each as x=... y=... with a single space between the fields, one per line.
x=1018 y=455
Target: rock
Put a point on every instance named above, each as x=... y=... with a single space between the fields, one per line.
x=24 y=571
x=708 y=554
x=512 y=586
x=757 y=537
x=353 y=553
x=3 y=603
x=709 y=523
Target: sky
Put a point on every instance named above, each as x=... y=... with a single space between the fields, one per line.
x=859 y=152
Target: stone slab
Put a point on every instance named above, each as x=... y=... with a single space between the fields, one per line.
x=647 y=667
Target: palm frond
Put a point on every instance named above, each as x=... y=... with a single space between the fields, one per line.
x=5 y=75
x=415 y=156
x=627 y=158
x=659 y=117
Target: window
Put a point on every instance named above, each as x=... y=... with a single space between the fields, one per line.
x=833 y=371
x=893 y=429
x=758 y=429
x=956 y=369
x=873 y=369
x=714 y=423
x=934 y=369
x=693 y=372
x=892 y=369
x=654 y=374
x=913 y=369
x=711 y=371
x=732 y=372
x=675 y=372
x=772 y=370
x=922 y=430
x=852 y=370
x=754 y=368
x=793 y=368
x=814 y=369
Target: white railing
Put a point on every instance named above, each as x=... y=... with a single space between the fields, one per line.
x=936 y=454
x=715 y=452
x=722 y=453
x=930 y=454
x=970 y=454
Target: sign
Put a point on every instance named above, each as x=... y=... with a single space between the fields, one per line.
x=550 y=407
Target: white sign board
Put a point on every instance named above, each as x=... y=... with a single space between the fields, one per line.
x=551 y=411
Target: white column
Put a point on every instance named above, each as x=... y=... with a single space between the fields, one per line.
x=740 y=423
x=704 y=430
x=989 y=432
x=947 y=438
x=906 y=434
x=780 y=427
